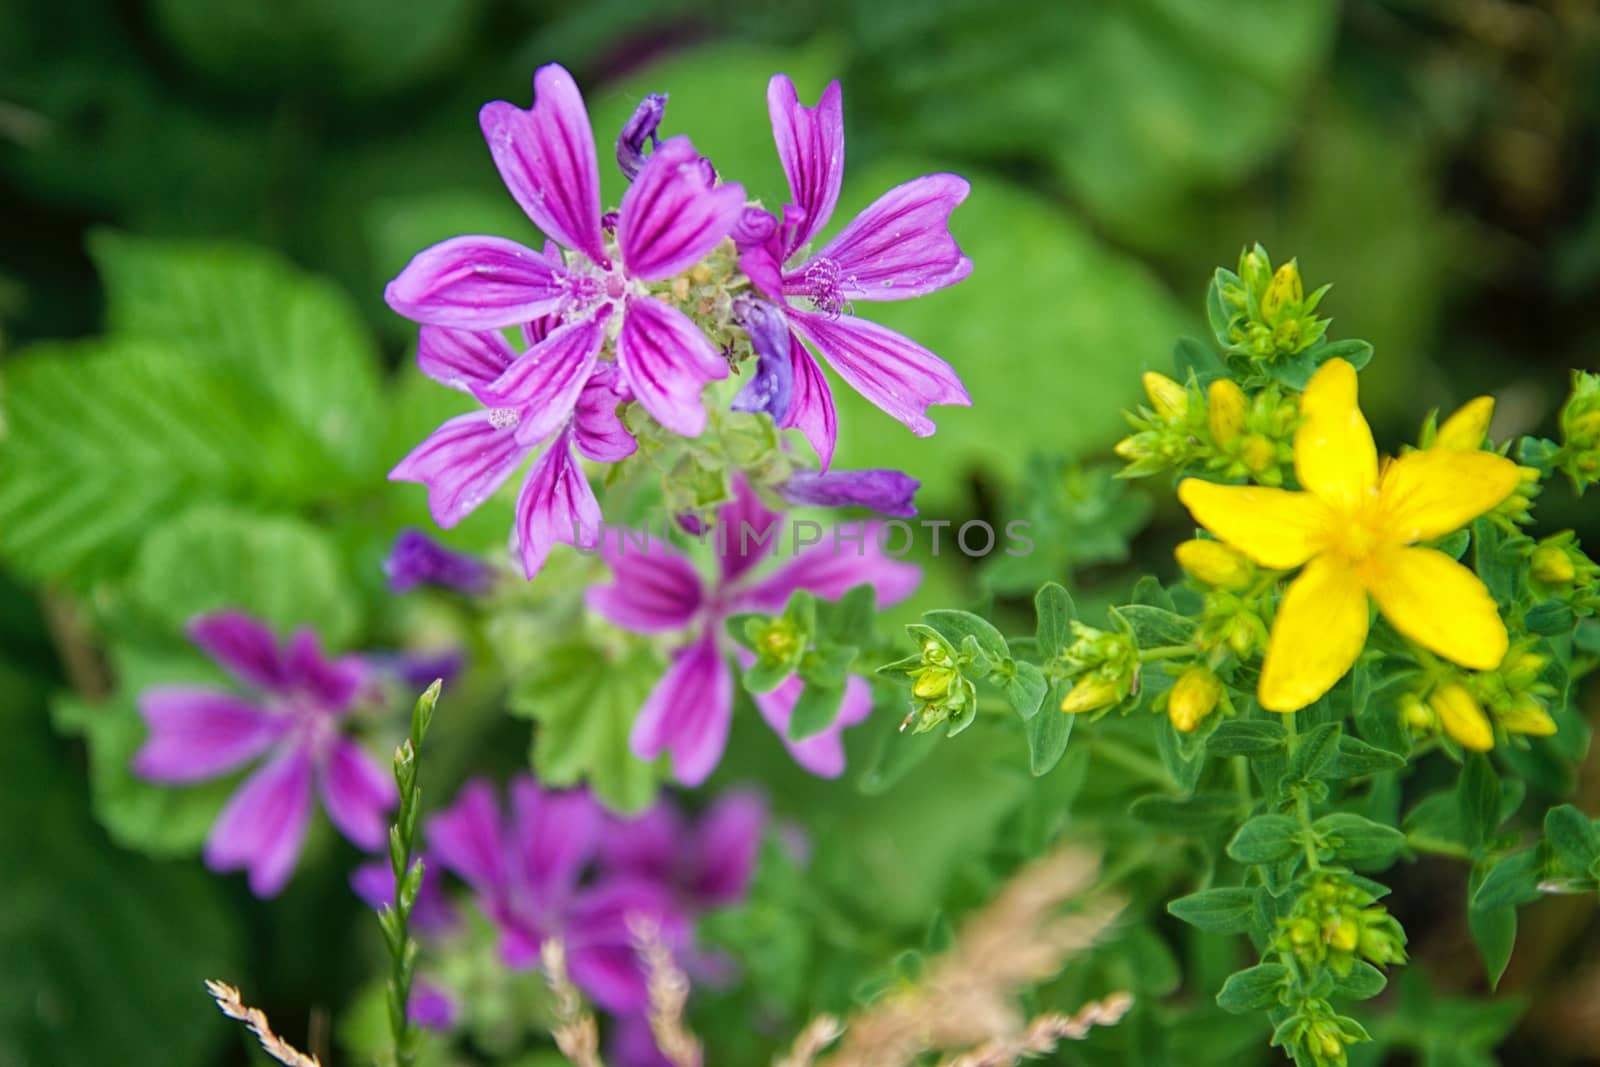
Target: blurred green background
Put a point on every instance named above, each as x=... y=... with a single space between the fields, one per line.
x=1435 y=159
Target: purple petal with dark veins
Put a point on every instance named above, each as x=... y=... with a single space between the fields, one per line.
x=195 y=734
x=811 y=148
x=833 y=567
x=557 y=832
x=899 y=247
x=672 y=215
x=245 y=647
x=263 y=826
x=811 y=409
x=888 y=492
x=771 y=389
x=688 y=713
x=467 y=840
x=463 y=462
x=544 y=382
x=745 y=531
x=478 y=283
x=556 y=506
x=598 y=430
x=333 y=684
x=666 y=361
x=462 y=359
x=640 y=127
x=653 y=589
x=546 y=157
x=358 y=795
x=898 y=375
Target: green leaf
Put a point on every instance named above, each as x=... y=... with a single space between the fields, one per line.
x=851 y=620
x=827 y=664
x=1048 y=734
x=1246 y=737
x=1549 y=617
x=585 y=700
x=1314 y=752
x=1265 y=839
x=1190 y=355
x=1362 y=982
x=1224 y=910
x=958 y=626
x=815 y=709
x=1357 y=759
x=1573 y=839
x=1512 y=881
x=281 y=570
x=1355 y=838
x=762 y=677
x=1478 y=800
x=1026 y=690
x=897 y=753
x=1055 y=611
x=1200 y=811
x=1494 y=931
x=1253 y=988
x=1155 y=627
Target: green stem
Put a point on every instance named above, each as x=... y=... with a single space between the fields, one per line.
x=1160 y=652
x=1302 y=803
x=1438 y=846
x=396 y=919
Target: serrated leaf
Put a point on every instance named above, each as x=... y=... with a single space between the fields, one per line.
x=1224 y=910
x=1253 y=988
x=585 y=702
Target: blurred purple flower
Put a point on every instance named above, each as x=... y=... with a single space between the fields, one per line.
x=640 y=127
x=417 y=559
x=671 y=217
x=656 y=590
x=430 y=1006
x=431 y=916
x=899 y=247
x=888 y=492
x=527 y=871
x=295 y=722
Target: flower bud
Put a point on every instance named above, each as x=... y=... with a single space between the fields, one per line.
x=1091 y=693
x=1225 y=412
x=1285 y=290
x=1193 y=697
x=1253 y=268
x=1343 y=931
x=1170 y=400
x=1527 y=716
x=1257 y=453
x=1552 y=565
x=1465 y=429
x=1214 y=563
x=1415 y=714
x=1461 y=717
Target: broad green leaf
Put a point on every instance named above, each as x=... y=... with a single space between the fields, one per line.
x=1494 y=931
x=957 y=626
x=1224 y=910
x=1314 y=751
x=1246 y=737
x=1253 y=988
x=1048 y=733
x=1352 y=837
x=1478 y=800
x=585 y=700
x=1155 y=627
x=1357 y=759
x=1055 y=611
x=815 y=710
x=281 y=570
x=1361 y=983
x=1512 y=881
x=1180 y=814
x=1573 y=838
x=1026 y=689
x=1265 y=839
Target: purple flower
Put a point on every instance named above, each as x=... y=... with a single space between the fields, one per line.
x=706 y=863
x=470 y=456
x=897 y=248
x=888 y=492
x=430 y=1006
x=657 y=591
x=671 y=217
x=527 y=871
x=295 y=724
x=417 y=559
x=640 y=127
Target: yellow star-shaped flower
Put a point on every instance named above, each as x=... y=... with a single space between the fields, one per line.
x=1355 y=530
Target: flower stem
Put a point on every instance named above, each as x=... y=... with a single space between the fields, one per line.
x=1160 y=652
x=396 y=919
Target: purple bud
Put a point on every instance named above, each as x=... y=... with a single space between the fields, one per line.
x=430 y=1007
x=888 y=492
x=640 y=127
x=417 y=670
x=417 y=559
x=692 y=524
x=753 y=228
x=770 y=390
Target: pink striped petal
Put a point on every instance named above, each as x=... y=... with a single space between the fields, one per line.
x=653 y=589
x=745 y=533
x=898 y=375
x=673 y=214
x=832 y=568
x=544 y=382
x=666 y=361
x=332 y=683
x=688 y=713
x=263 y=826
x=462 y=359
x=246 y=647
x=478 y=283
x=811 y=148
x=727 y=845
x=463 y=462
x=598 y=430
x=197 y=734
x=556 y=506
x=557 y=833
x=466 y=839
x=899 y=247
x=546 y=157
x=358 y=795
x=811 y=407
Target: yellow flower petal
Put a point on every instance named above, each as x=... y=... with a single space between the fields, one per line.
x=1275 y=527
x=1439 y=604
x=1527 y=716
x=1334 y=456
x=1431 y=493
x=1320 y=630
x=1214 y=563
x=1462 y=718
x=1464 y=431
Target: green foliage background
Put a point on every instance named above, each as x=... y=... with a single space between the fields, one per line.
x=201 y=391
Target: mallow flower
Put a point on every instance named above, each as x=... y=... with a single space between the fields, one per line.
x=469 y=456
x=295 y=724
x=657 y=590
x=672 y=215
x=899 y=247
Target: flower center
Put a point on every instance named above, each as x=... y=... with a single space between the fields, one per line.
x=823 y=284
x=1356 y=535
x=504 y=418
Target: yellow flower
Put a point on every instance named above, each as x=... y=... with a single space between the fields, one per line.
x=1462 y=717
x=1170 y=400
x=1464 y=431
x=1194 y=696
x=1214 y=563
x=1091 y=693
x=1355 y=531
